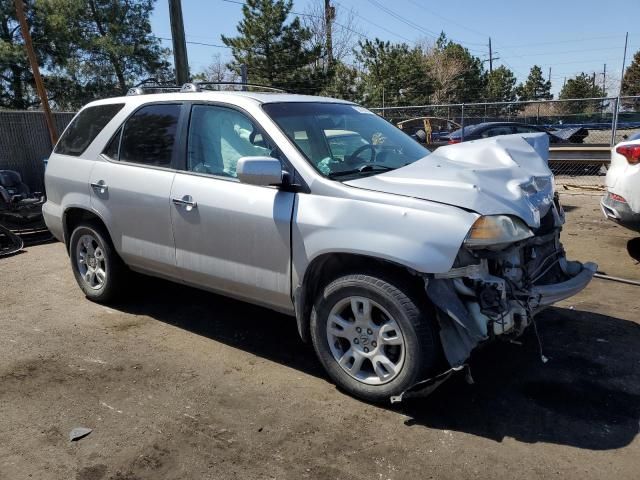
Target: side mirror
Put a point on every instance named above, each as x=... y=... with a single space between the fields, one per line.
x=261 y=171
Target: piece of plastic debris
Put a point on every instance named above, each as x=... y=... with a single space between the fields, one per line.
x=79 y=433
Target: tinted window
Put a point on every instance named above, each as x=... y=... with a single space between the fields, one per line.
x=114 y=145
x=495 y=131
x=85 y=127
x=523 y=129
x=149 y=135
x=468 y=130
x=219 y=137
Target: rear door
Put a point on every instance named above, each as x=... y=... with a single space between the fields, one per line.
x=230 y=237
x=130 y=187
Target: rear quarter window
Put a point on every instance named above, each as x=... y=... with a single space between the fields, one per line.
x=85 y=127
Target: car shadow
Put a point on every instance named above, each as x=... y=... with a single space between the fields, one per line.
x=587 y=395
x=633 y=248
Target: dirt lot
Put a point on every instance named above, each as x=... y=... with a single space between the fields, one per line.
x=178 y=383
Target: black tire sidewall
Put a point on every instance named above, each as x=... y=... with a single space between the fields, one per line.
x=107 y=290
x=419 y=341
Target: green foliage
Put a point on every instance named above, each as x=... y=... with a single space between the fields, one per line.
x=581 y=86
x=276 y=53
x=631 y=81
x=501 y=85
x=109 y=46
x=345 y=82
x=396 y=71
x=535 y=87
x=87 y=49
x=459 y=76
x=16 y=80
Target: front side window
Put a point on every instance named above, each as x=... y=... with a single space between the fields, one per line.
x=495 y=131
x=523 y=129
x=85 y=127
x=219 y=137
x=343 y=141
x=149 y=134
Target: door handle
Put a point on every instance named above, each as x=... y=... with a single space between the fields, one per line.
x=185 y=201
x=100 y=186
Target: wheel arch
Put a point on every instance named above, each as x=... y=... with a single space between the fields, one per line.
x=329 y=266
x=73 y=216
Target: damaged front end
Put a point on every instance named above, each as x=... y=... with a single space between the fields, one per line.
x=504 y=274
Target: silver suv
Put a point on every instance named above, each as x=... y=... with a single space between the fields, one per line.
x=396 y=262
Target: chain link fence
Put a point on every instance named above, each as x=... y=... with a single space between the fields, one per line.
x=582 y=130
x=25 y=143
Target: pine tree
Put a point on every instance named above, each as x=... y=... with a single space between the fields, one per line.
x=581 y=86
x=535 y=87
x=276 y=53
x=394 y=74
x=501 y=85
x=631 y=82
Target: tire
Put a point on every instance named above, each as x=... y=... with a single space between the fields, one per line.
x=393 y=361
x=99 y=287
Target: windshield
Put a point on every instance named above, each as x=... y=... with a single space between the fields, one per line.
x=342 y=140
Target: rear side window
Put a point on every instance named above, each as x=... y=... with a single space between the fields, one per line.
x=149 y=135
x=85 y=127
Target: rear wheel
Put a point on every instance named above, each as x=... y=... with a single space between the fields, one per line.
x=374 y=338
x=96 y=266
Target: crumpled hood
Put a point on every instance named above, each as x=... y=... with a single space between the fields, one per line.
x=500 y=175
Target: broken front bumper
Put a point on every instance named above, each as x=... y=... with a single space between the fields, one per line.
x=549 y=294
x=499 y=295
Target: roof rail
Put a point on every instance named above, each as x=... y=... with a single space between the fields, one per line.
x=200 y=86
x=153 y=85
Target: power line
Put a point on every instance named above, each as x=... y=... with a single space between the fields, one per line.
x=356 y=13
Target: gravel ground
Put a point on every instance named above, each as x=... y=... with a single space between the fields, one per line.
x=177 y=383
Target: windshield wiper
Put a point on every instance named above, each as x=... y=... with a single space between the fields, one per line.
x=362 y=169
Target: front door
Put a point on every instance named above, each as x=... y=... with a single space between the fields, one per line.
x=130 y=188
x=230 y=237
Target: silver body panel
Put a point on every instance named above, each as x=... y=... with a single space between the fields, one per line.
x=236 y=241
x=136 y=208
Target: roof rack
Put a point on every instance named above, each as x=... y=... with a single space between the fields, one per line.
x=200 y=86
x=153 y=85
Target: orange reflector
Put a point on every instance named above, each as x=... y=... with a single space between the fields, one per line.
x=485 y=229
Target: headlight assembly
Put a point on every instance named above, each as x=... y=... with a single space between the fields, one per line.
x=496 y=231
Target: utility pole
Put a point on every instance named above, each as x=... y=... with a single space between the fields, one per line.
x=490 y=57
x=244 y=77
x=549 y=79
x=614 y=126
x=33 y=60
x=329 y=15
x=180 y=61
x=624 y=61
x=593 y=82
x=604 y=80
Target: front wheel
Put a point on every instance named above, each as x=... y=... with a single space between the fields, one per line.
x=374 y=339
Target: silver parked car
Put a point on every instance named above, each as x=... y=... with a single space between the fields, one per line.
x=395 y=262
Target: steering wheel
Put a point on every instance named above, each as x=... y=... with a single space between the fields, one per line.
x=361 y=149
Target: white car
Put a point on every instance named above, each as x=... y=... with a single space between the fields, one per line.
x=621 y=203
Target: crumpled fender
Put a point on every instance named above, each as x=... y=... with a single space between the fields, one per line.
x=425 y=239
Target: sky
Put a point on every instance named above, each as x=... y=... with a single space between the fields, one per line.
x=568 y=36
